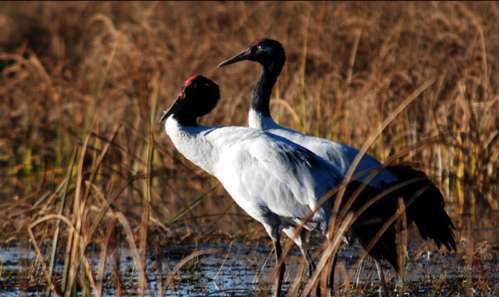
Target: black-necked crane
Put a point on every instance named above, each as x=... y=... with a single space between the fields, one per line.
x=425 y=203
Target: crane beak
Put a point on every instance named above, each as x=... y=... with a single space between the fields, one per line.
x=173 y=108
x=244 y=55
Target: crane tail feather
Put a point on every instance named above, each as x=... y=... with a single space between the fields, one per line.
x=426 y=206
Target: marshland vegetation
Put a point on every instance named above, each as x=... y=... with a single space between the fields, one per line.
x=88 y=178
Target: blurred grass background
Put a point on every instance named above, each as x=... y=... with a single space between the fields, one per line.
x=81 y=86
x=83 y=161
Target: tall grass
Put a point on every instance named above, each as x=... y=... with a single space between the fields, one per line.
x=82 y=162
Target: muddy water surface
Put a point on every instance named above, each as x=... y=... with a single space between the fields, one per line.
x=237 y=269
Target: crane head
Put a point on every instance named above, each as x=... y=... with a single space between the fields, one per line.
x=267 y=52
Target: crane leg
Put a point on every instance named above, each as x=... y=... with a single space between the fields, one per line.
x=401 y=286
x=308 y=259
x=358 y=272
x=331 y=275
x=302 y=243
x=311 y=266
x=280 y=268
x=381 y=275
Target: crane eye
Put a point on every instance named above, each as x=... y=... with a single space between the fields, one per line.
x=259 y=47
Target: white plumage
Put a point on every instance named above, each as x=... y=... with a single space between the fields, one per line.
x=275 y=181
x=341 y=156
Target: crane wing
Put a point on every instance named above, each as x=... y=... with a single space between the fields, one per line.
x=294 y=177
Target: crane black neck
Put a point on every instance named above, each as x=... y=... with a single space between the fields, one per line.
x=186 y=120
x=261 y=93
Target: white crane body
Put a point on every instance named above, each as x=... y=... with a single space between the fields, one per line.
x=274 y=180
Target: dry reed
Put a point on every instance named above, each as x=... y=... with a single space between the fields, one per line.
x=81 y=85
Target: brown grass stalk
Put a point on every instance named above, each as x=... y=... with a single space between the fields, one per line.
x=70 y=72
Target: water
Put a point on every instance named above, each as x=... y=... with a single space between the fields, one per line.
x=241 y=269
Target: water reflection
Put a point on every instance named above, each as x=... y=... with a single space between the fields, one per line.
x=238 y=269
